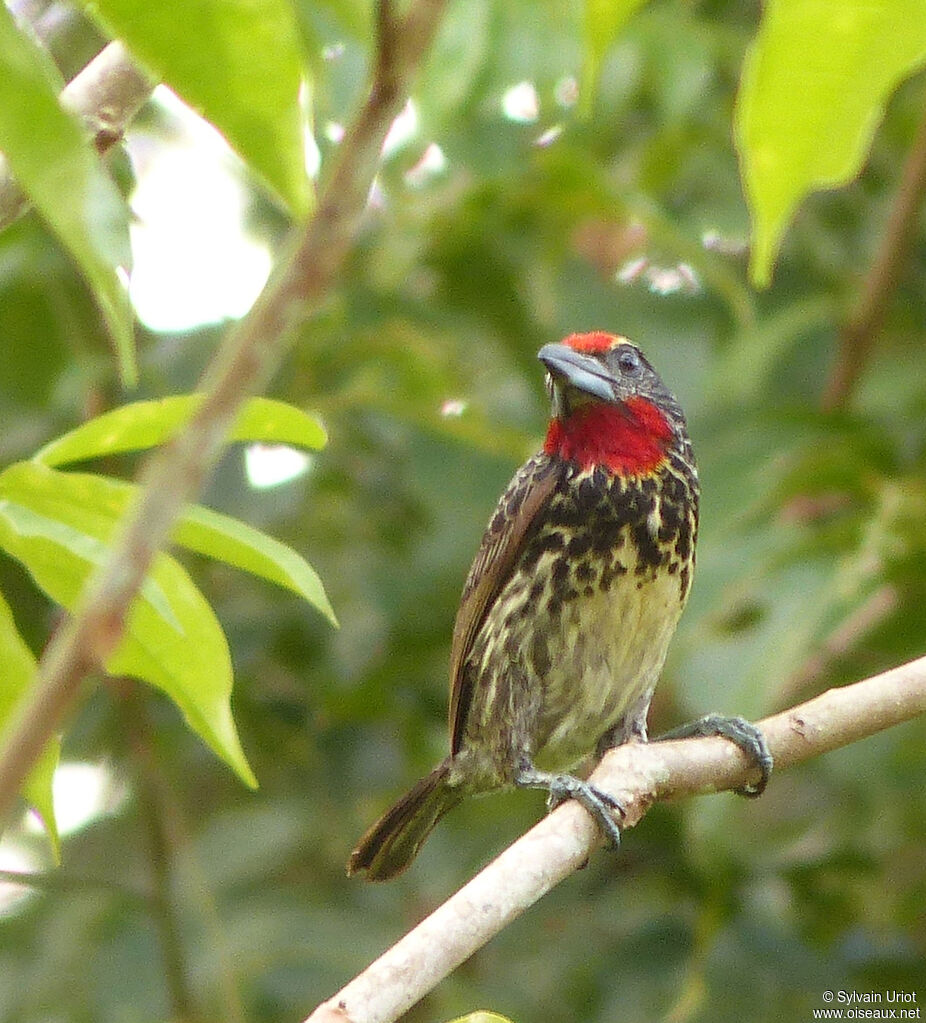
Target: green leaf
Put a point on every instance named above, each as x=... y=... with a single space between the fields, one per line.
x=172 y=641
x=17 y=668
x=234 y=542
x=192 y=667
x=145 y=424
x=814 y=86
x=58 y=169
x=57 y=532
x=238 y=63
x=603 y=21
x=201 y=529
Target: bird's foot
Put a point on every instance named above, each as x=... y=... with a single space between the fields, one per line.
x=746 y=735
x=561 y=787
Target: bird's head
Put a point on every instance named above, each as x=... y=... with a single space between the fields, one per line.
x=610 y=408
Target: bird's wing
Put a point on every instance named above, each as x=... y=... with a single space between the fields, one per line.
x=502 y=542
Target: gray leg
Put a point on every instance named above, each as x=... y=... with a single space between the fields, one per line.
x=745 y=734
x=631 y=727
x=561 y=787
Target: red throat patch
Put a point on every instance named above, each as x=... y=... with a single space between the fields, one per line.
x=630 y=439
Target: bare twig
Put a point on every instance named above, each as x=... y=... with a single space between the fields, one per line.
x=637 y=775
x=857 y=338
x=153 y=802
x=106 y=95
x=45 y=19
x=248 y=355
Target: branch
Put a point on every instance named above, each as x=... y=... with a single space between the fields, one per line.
x=249 y=353
x=154 y=812
x=637 y=775
x=857 y=337
x=106 y=95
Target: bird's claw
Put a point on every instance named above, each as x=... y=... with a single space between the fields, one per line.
x=601 y=805
x=738 y=730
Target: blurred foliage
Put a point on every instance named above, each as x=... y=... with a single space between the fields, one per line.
x=193 y=897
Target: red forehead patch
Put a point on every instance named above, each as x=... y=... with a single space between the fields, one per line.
x=596 y=341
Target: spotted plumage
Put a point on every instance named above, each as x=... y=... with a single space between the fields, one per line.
x=573 y=597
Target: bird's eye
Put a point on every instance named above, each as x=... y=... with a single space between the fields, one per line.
x=629 y=361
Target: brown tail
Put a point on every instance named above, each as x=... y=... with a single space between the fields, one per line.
x=393 y=841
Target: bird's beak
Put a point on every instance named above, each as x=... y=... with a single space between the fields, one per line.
x=579 y=371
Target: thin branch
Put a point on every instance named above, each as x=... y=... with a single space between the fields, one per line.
x=175 y=867
x=45 y=19
x=153 y=803
x=106 y=95
x=857 y=338
x=637 y=775
x=250 y=352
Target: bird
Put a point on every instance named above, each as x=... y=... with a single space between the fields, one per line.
x=570 y=605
